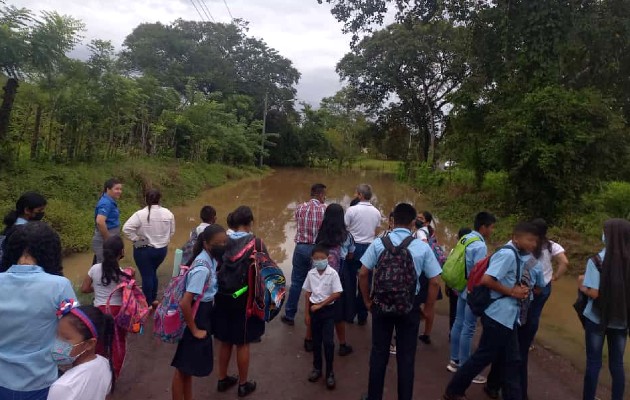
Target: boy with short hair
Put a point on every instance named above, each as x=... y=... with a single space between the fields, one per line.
x=208 y=217
x=323 y=288
x=499 y=341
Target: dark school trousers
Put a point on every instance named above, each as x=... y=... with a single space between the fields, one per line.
x=406 y=327
x=498 y=346
x=353 y=300
x=323 y=329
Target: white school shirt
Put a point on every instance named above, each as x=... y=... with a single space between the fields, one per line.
x=202 y=227
x=158 y=230
x=101 y=293
x=422 y=234
x=546 y=258
x=362 y=221
x=91 y=380
x=322 y=286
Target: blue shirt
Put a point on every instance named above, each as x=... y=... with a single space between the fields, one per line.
x=108 y=208
x=29 y=300
x=592 y=281
x=21 y=221
x=503 y=266
x=475 y=252
x=423 y=258
x=347 y=247
x=203 y=270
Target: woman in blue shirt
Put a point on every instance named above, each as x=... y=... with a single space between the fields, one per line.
x=106 y=217
x=32 y=289
x=194 y=352
x=608 y=310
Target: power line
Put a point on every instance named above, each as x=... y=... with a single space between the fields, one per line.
x=194 y=5
x=206 y=10
x=228 y=9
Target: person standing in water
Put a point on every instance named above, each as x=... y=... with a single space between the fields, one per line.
x=106 y=217
x=150 y=230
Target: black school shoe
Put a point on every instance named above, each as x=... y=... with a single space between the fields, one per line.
x=226 y=383
x=426 y=339
x=345 y=349
x=308 y=345
x=287 y=321
x=330 y=381
x=246 y=388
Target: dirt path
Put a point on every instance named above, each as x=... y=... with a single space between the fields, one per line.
x=280 y=366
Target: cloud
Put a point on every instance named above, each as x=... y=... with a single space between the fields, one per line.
x=301 y=30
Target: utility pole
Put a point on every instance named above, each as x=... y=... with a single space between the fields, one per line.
x=264 y=133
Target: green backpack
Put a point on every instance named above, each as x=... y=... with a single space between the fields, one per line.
x=454 y=270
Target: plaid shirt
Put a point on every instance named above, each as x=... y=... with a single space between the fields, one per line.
x=309 y=217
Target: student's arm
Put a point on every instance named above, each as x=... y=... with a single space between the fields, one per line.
x=589 y=282
x=562 y=262
x=186 y=305
x=130 y=229
x=307 y=308
x=432 y=295
x=331 y=299
x=500 y=265
x=172 y=225
x=101 y=225
x=518 y=291
x=364 y=284
x=86 y=286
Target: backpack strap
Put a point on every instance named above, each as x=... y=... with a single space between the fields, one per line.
x=597 y=260
x=518 y=261
x=389 y=246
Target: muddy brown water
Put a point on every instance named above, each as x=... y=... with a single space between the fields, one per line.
x=273 y=199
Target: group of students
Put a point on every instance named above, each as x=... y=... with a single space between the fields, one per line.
x=345 y=265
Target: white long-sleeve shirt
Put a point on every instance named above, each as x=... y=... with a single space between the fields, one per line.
x=156 y=229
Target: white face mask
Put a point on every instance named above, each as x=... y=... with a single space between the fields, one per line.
x=320 y=264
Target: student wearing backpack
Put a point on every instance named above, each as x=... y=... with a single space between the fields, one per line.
x=465 y=321
x=31 y=206
x=397 y=261
x=32 y=287
x=334 y=236
x=150 y=230
x=88 y=375
x=363 y=222
x=606 y=315
x=208 y=216
x=308 y=219
x=499 y=341
x=452 y=293
x=106 y=217
x=103 y=279
x=232 y=325
x=323 y=289
x=194 y=355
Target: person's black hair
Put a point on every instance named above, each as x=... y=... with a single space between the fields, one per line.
x=614 y=289
x=354 y=201
x=207 y=214
x=484 y=219
x=332 y=232
x=110 y=183
x=404 y=214
x=204 y=237
x=40 y=241
x=28 y=200
x=428 y=218
x=320 y=249
x=463 y=232
x=230 y=221
x=317 y=189
x=242 y=216
x=526 y=228
x=152 y=198
x=543 y=241
x=104 y=324
x=113 y=248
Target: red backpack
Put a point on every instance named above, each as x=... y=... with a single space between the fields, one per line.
x=134 y=309
x=479 y=296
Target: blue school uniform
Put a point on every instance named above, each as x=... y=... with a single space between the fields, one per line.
x=592 y=280
x=203 y=270
x=475 y=252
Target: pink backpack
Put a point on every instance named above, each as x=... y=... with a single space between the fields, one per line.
x=168 y=321
x=134 y=310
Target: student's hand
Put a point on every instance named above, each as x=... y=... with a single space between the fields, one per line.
x=519 y=292
x=200 y=334
x=315 y=307
x=580 y=280
x=307 y=318
x=368 y=305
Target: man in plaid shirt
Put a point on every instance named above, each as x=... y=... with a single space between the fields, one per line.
x=309 y=217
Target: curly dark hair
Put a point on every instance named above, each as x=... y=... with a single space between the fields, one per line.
x=104 y=324
x=40 y=241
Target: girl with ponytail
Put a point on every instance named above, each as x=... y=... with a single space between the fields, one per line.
x=80 y=332
x=150 y=230
x=102 y=279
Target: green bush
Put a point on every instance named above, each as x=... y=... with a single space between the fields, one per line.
x=426 y=177
x=615 y=199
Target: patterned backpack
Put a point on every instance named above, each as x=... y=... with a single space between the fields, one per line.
x=437 y=250
x=395 y=279
x=188 y=247
x=134 y=309
x=168 y=320
x=267 y=279
x=334 y=258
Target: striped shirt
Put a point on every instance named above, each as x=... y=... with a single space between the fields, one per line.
x=309 y=217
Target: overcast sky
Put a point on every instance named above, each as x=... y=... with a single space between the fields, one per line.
x=301 y=30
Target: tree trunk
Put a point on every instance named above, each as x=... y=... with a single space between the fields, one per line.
x=35 y=137
x=10 y=90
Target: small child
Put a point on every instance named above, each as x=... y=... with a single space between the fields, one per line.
x=323 y=288
x=88 y=375
x=208 y=217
